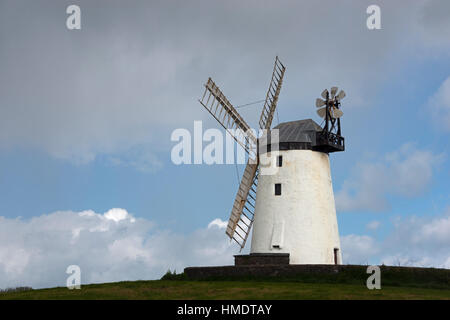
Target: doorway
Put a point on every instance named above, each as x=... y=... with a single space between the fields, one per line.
x=336 y=255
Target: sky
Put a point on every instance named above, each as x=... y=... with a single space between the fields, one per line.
x=86 y=117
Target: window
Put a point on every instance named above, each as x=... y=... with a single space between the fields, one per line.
x=279 y=161
x=278 y=189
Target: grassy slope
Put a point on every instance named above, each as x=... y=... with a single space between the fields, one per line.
x=397 y=283
x=178 y=289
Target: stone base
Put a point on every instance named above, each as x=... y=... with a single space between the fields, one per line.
x=251 y=271
x=424 y=275
x=261 y=259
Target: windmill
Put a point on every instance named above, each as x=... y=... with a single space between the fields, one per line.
x=292 y=211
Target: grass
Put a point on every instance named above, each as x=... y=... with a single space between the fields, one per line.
x=184 y=289
x=349 y=283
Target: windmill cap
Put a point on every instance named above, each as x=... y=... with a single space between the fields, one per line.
x=300 y=135
x=298 y=131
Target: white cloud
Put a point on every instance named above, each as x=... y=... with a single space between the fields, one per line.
x=108 y=247
x=438 y=229
x=115 y=246
x=358 y=249
x=373 y=225
x=219 y=223
x=414 y=241
x=406 y=172
x=439 y=104
x=117 y=214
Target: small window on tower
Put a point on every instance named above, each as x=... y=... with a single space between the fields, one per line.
x=278 y=189
x=279 y=161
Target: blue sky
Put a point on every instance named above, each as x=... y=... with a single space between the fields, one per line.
x=87 y=115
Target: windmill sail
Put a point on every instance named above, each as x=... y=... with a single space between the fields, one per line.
x=243 y=210
x=223 y=111
x=265 y=121
x=242 y=213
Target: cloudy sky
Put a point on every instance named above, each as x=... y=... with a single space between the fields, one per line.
x=86 y=118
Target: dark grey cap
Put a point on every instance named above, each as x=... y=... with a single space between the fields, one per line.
x=298 y=131
x=301 y=135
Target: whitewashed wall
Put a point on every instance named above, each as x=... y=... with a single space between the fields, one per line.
x=302 y=221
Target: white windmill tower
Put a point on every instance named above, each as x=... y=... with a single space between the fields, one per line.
x=292 y=209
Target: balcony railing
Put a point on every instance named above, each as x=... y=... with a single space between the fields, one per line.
x=329 y=141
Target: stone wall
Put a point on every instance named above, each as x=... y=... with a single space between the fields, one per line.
x=262 y=259
x=396 y=274
x=258 y=270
